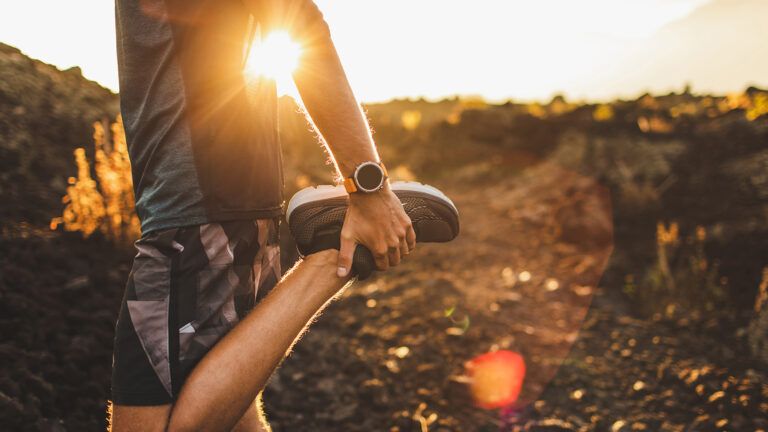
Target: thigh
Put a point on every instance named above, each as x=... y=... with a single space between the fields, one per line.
x=140 y=418
x=155 y=419
x=188 y=287
x=235 y=264
x=141 y=366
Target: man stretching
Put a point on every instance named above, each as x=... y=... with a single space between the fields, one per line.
x=198 y=337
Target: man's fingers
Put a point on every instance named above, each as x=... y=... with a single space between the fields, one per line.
x=346 y=252
x=410 y=237
x=404 y=249
x=394 y=256
x=381 y=257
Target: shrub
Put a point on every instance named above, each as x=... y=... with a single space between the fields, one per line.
x=758 y=107
x=682 y=280
x=106 y=205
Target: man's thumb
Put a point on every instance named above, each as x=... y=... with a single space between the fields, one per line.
x=346 y=252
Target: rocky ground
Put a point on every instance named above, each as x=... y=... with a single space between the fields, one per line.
x=350 y=372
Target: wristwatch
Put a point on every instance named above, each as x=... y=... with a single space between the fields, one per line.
x=368 y=177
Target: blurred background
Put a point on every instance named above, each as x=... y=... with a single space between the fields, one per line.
x=609 y=160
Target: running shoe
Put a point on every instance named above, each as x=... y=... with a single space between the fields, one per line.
x=315 y=216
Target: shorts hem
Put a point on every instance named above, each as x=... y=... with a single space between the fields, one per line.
x=140 y=399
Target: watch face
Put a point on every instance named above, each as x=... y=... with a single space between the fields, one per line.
x=369 y=177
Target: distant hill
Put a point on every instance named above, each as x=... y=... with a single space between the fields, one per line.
x=45 y=113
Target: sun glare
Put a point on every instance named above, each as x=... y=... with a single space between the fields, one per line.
x=274 y=57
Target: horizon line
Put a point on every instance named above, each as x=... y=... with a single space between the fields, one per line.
x=628 y=96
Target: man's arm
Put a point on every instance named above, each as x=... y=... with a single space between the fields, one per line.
x=375 y=220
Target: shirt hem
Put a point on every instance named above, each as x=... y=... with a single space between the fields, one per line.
x=220 y=216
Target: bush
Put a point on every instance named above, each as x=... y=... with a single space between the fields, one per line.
x=682 y=281
x=107 y=205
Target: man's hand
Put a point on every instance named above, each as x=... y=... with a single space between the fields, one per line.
x=378 y=222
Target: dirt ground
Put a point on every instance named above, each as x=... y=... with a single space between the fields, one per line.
x=622 y=374
x=524 y=275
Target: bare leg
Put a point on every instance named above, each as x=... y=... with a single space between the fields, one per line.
x=221 y=392
x=253 y=420
x=155 y=418
x=140 y=418
x=227 y=380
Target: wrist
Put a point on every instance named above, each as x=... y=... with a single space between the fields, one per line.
x=364 y=197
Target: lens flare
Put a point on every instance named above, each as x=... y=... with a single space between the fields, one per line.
x=496 y=378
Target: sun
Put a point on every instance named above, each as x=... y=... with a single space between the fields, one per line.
x=274 y=57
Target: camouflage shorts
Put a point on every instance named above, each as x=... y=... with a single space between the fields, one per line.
x=188 y=287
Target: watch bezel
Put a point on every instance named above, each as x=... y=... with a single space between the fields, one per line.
x=360 y=188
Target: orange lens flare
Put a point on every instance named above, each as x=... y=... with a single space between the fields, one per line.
x=496 y=378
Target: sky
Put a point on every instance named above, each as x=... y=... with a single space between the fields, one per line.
x=498 y=49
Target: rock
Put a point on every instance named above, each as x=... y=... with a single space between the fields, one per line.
x=344 y=412
x=77 y=283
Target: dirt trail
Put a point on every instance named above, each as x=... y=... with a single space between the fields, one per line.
x=510 y=282
x=590 y=365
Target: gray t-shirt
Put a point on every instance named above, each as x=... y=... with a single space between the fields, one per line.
x=203 y=142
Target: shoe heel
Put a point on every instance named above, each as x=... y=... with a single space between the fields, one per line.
x=433 y=231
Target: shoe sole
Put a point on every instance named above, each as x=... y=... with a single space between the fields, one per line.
x=435 y=217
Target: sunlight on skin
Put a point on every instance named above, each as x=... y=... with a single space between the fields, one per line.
x=274 y=58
